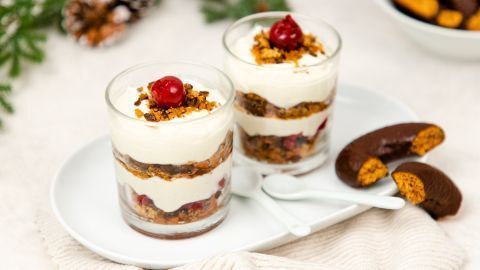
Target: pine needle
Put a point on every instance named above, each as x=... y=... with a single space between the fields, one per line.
x=5 y=89
x=5 y=104
x=215 y=10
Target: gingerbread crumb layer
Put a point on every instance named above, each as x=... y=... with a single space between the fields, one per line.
x=169 y=172
x=186 y=214
x=194 y=101
x=279 y=149
x=259 y=106
x=265 y=53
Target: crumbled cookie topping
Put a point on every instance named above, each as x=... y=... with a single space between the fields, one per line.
x=141 y=97
x=138 y=113
x=195 y=101
x=265 y=53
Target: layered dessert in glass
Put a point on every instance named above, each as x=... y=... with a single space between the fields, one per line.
x=172 y=135
x=284 y=69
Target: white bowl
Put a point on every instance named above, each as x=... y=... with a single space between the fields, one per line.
x=440 y=40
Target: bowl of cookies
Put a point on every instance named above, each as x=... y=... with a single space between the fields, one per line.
x=449 y=28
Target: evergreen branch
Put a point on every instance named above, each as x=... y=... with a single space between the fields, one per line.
x=4 y=57
x=33 y=47
x=213 y=14
x=52 y=13
x=34 y=36
x=215 y=10
x=15 y=67
x=5 y=88
x=21 y=37
x=32 y=56
x=5 y=104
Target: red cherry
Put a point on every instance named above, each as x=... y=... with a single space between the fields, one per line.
x=286 y=34
x=168 y=92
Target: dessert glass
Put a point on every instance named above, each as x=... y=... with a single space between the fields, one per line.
x=173 y=176
x=283 y=111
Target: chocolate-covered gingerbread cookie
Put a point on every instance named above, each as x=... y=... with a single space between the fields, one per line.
x=466 y=7
x=362 y=162
x=424 y=10
x=428 y=188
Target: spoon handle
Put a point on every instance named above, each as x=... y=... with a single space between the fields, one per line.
x=386 y=202
x=295 y=226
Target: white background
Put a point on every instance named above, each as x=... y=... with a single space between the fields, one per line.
x=60 y=105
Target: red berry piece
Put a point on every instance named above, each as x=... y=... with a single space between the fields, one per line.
x=286 y=34
x=323 y=125
x=196 y=206
x=168 y=92
x=143 y=200
x=221 y=184
x=290 y=142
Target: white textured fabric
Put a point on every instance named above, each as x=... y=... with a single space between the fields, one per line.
x=66 y=252
x=378 y=239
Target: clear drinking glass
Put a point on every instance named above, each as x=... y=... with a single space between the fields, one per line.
x=173 y=176
x=276 y=129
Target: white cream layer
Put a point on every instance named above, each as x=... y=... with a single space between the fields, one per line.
x=281 y=84
x=171 y=195
x=178 y=141
x=254 y=125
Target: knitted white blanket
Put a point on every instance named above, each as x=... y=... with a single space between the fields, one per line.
x=377 y=239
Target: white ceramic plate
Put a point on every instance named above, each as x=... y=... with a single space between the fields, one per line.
x=84 y=197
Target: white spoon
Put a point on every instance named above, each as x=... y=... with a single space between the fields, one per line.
x=287 y=187
x=247 y=182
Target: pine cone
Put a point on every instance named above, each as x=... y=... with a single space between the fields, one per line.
x=137 y=7
x=95 y=22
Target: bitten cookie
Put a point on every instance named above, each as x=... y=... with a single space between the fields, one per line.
x=429 y=188
x=362 y=162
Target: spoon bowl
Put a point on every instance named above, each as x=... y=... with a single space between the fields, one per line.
x=283 y=185
x=245 y=181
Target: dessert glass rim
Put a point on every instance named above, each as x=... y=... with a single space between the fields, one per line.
x=228 y=101
x=275 y=14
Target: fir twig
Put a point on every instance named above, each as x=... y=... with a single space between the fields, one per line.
x=215 y=10
x=5 y=104
x=21 y=37
x=5 y=89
